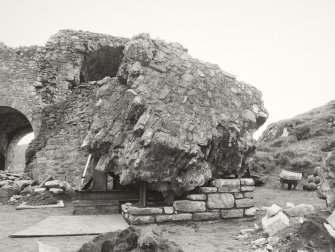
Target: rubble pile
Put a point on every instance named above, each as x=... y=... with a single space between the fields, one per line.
x=18 y=188
x=279 y=227
x=131 y=239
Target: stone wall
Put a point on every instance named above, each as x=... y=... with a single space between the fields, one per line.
x=57 y=150
x=224 y=199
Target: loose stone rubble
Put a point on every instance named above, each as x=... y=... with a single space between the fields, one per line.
x=226 y=198
x=14 y=186
x=278 y=226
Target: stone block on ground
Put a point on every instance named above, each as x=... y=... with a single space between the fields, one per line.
x=140 y=219
x=20 y=184
x=220 y=200
x=246 y=202
x=49 y=178
x=52 y=183
x=300 y=210
x=189 y=206
x=273 y=240
x=272 y=225
x=39 y=190
x=56 y=190
x=233 y=213
x=144 y=210
x=206 y=216
x=196 y=197
x=272 y=210
x=331 y=219
x=250 y=211
x=227 y=185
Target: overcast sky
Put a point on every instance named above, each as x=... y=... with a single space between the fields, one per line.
x=286 y=48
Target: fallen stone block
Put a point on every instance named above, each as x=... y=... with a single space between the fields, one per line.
x=233 y=213
x=247 y=231
x=273 y=240
x=331 y=219
x=260 y=242
x=227 y=185
x=39 y=190
x=144 y=210
x=52 y=183
x=250 y=211
x=330 y=230
x=272 y=210
x=272 y=225
x=20 y=184
x=56 y=190
x=196 y=196
x=242 y=203
x=300 y=210
x=220 y=200
x=189 y=206
x=206 y=216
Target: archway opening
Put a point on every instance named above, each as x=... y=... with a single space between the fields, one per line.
x=14 y=126
x=2 y=162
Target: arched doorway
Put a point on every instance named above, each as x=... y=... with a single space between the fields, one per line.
x=13 y=127
x=2 y=162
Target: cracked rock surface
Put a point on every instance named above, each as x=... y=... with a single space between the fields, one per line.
x=172 y=120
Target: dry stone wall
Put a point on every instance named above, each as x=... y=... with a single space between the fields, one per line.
x=224 y=199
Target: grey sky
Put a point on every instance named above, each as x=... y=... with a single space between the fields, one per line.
x=286 y=48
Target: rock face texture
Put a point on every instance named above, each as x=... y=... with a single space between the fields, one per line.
x=172 y=120
x=144 y=108
x=297 y=144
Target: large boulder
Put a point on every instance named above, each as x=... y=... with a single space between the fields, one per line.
x=172 y=120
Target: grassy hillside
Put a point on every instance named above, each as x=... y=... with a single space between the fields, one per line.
x=297 y=144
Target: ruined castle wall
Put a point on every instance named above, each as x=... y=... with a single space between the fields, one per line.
x=64 y=127
x=18 y=71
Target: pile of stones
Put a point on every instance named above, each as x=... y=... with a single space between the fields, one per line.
x=269 y=236
x=313 y=181
x=14 y=186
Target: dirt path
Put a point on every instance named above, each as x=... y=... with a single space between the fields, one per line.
x=196 y=236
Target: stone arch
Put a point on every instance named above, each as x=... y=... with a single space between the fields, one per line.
x=13 y=126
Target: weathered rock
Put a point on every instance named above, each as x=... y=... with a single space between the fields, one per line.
x=227 y=185
x=20 y=184
x=206 y=216
x=196 y=197
x=189 y=206
x=140 y=219
x=168 y=210
x=233 y=213
x=260 y=241
x=207 y=189
x=300 y=210
x=238 y=195
x=220 y=200
x=272 y=210
x=159 y=136
x=331 y=219
x=144 y=210
x=273 y=240
x=248 y=195
x=56 y=190
x=247 y=188
x=247 y=182
x=39 y=190
x=244 y=202
x=52 y=183
x=250 y=211
x=174 y=217
x=272 y=225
